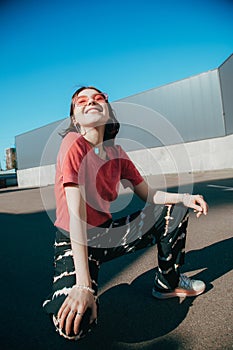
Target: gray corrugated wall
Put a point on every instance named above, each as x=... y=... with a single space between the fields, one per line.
x=32 y=147
x=226 y=79
x=189 y=110
x=192 y=105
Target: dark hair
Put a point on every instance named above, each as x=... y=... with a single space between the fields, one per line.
x=111 y=128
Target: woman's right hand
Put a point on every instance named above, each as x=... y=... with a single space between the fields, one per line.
x=74 y=307
x=195 y=202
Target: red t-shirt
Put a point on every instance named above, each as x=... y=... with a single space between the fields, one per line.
x=77 y=163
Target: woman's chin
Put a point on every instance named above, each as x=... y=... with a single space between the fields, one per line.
x=94 y=119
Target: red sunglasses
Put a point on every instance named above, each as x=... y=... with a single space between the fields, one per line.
x=83 y=100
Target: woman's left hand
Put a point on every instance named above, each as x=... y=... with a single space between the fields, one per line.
x=73 y=309
x=197 y=203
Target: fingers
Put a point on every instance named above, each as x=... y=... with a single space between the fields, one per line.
x=67 y=315
x=73 y=321
x=197 y=203
x=70 y=320
x=93 y=316
x=62 y=308
x=199 y=213
x=200 y=206
x=78 y=319
x=62 y=315
x=205 y=207
x=70 y=315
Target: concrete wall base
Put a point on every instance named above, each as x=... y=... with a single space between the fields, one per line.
x=36 y=177
x=205 y=155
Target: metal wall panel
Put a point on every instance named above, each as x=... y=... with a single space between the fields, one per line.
x=226 y=81
x=39 y=146
x=183 y=111
x=193 y=106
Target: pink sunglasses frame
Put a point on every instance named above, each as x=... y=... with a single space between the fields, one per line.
x=75 y=99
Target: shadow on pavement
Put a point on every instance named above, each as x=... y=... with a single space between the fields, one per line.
x=128 y=313
x=134 y=316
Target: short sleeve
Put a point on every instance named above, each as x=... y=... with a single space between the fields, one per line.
x=69 y=160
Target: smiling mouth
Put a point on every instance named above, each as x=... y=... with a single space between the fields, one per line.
x=93 y=109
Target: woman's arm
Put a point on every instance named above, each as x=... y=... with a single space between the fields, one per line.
x=78 y=228
x=196 y=202
x=79 y=299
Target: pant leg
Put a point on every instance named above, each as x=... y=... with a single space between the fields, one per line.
x=164 y=225
x=64 y=279
x=171 y=239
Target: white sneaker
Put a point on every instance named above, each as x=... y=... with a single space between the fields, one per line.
x=187 y=287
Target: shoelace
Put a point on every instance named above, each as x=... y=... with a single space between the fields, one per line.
x=185 y=282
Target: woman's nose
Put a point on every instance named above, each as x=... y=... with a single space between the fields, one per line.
x=91 y=101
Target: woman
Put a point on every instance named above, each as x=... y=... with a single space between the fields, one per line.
x=89 y=169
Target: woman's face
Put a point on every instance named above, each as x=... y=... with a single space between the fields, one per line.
x=90 y=108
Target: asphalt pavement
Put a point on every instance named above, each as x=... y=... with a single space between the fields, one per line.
x=130 y=318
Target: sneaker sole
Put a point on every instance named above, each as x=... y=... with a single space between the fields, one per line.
x=177 y=293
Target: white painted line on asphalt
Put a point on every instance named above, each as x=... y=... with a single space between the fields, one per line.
x=224 y=188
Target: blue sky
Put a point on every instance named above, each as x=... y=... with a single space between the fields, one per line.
x=49 y=48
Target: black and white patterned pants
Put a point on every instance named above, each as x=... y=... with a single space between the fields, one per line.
x=165 y=226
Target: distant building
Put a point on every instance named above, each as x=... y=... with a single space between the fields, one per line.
x=11 y=162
